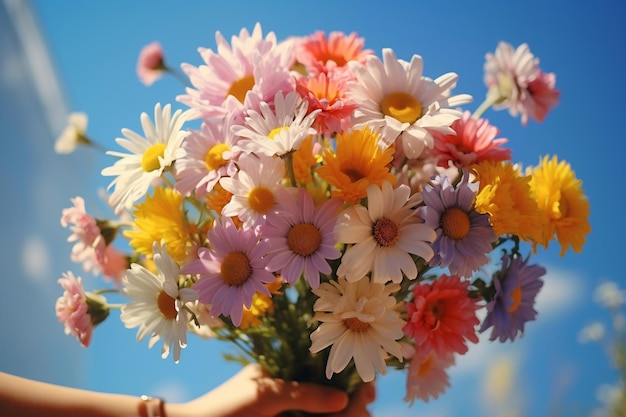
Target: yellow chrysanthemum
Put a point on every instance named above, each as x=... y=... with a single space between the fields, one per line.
x=357 y=163
x=303 y=161
x=505 y=195
x=261 y=305
x=559 y=194
x=160 y=218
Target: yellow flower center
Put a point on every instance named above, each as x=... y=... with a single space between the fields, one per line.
x=455 y=223
x=213 y=157
x=304 y=239
x=261 y=199
x=167 y=305
x=356 y=325
x=401 y=106
x=385 y=232
x=516 y=294
x=240 y=87
x=150 y=158
x=276 y=131
x=235 y=269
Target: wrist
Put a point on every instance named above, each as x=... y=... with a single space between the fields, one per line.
x=152 y=406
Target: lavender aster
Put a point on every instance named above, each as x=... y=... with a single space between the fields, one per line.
x=517 y=286
x=464 y=236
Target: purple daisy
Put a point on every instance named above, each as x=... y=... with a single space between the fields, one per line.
x=517 y=286
x=464 y=236
x=301 y=237
x=231 y=271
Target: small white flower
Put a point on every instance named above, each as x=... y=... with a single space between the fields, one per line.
x=609 y=295
x=73 y=135
x=591 y=332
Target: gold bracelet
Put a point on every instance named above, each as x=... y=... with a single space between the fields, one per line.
x=154 y=406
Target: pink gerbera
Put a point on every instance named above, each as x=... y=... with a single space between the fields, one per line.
x=441 y=317
x=231 y=271
x=90 y=245
x=542 y=96
x=328 y=94
x=427 y=376
x=151 y=64
x=72 y=309
x=301 y=237
x=321 y=54
x=250 y=62
x=474 y=141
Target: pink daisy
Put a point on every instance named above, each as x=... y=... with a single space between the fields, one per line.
x=231 y=271
x=427 y=376
x=300 y=236
x=441 y=317
x=114 y=264
x=250 y=62
x=151 y=63
x=474 y=141
x=209 y=155
x=90 y=245
x=516 y=82
x=72 y=309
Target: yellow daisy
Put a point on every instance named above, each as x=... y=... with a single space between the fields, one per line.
x=261 y=305
x=505 y=195
x=357 y=163
x=160 y=218
x=559 y=194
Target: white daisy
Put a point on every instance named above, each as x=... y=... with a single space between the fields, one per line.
x=157 y=306
x=385 y=235
x=360 y=321
x=74 y=134
x=398 y=101
x=150 y=156
x=280 y=131
x=253 y=188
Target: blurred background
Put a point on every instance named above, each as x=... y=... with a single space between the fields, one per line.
x=71 y=55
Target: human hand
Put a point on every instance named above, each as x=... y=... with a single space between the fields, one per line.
x=251 y=392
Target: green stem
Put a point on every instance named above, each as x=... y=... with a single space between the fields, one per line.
x=292 y=175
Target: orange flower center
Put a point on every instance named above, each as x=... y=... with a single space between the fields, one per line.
x=240 y=87
x=150 y=158
x=261 y=199
x=516 y=294
x=304 y=239
x=167 y=305
x=213 y=157
x=356 y=325
x=353 y=174
x=235 y=269
x=401 y=106
x=455 y=223
x=385 y=232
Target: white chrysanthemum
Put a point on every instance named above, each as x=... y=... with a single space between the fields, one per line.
x=399 y=102
x=253 y=188
x=384 y=234
x=278 y=131
x=73 y=135
x=360 y=321
x=149 y=157
x=157 y=306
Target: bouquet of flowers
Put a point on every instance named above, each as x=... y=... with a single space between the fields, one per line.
x=329 y=211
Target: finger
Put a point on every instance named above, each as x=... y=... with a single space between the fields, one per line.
x=302 y=396
x=365 y=395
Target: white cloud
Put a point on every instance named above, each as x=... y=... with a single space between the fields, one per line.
x=562 y=290
x=171 y=391
x=35 y=259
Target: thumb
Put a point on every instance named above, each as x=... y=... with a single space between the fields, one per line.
x=303 y=396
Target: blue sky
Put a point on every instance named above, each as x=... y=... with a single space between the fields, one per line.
x=94 y=47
